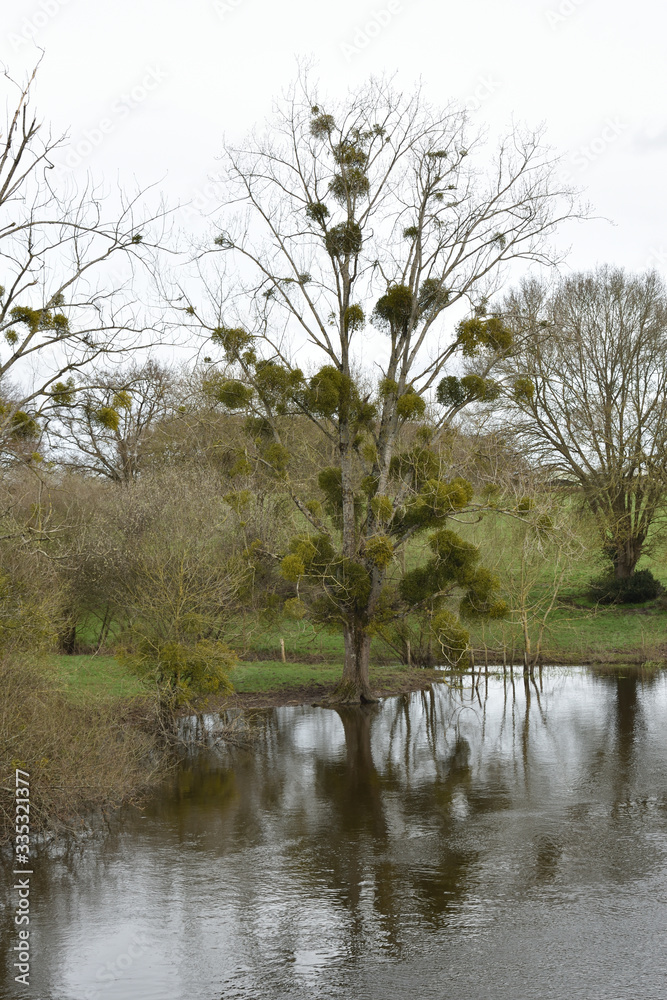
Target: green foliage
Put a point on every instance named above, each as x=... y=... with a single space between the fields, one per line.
x=382 y=508
x=238 y=500
x=40 y=319
x=182 y=671
x=480 y=600
x=415 y=466
x=122 y=400
x=642 y=586
x=453 y=564
x=350 y=153
x=477 y=333
x=353 y=586
x=294 y=608
x=454 y=556
x=388 y=387
x=457 y=392
x=29 y=618
x=318 y=212
x=523 y=390
x=292 y=568
x=450 y=392
x=332 y=394
x=23 y=427
x=394 y=309
x=277 y=456
x=325 y=391
x=379 y=550
x=330 y=482
x=343 y=240
x=233 y=340
x=354 y=318
x=436 y=500
x=410 y=406
x=277 y=384
x=321 y=124
x=451 y=636
x=432 y=297
x=107 y=417
x=352 y=184
x=230 y=392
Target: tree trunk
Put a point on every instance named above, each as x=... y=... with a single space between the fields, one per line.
x=626 y=558
x=355 y=684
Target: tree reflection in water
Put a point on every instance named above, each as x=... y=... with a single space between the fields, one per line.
x=436 y=832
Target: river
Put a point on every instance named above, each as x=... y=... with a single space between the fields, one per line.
x=502 y=841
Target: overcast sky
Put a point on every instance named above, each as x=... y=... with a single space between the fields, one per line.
x=168 y=78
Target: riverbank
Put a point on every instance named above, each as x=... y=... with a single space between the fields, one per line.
x=85 y=731
x=80 y=757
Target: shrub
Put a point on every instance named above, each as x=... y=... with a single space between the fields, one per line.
x=642 y=586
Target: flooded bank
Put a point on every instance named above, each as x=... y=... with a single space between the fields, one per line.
x=508 y=840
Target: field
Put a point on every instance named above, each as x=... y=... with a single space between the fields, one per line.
x=574 y=630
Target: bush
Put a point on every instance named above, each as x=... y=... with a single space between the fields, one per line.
x=642 y=586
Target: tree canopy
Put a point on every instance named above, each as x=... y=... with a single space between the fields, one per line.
x=372 y=214
x=588 y=387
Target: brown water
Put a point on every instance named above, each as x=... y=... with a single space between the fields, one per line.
x=504 y=843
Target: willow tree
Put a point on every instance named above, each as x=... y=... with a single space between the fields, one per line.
x=588 y=387
x=373 y=216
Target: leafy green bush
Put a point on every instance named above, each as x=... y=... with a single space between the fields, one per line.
x=642 y=586
x=183 y=671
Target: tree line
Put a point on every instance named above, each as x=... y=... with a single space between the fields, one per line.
x=281 y=471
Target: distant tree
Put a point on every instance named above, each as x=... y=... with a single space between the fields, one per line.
x=371 y=211
x=104 y=427
x=68 y=259
x=588 y=394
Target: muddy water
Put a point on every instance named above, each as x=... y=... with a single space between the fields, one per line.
x=504 y=842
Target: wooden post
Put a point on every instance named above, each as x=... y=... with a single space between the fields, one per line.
x=282 y=650
x=409 y=652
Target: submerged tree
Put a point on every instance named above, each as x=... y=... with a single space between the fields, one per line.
x=588 y=386
x=371 y=212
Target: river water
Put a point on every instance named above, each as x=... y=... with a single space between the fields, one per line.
x=503 y=841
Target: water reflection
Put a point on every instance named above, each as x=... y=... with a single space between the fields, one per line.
x=457 y=842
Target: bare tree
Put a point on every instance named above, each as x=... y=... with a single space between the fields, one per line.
x=588 y=388
x=68 y=263
x=374 y=207
x=103 y=429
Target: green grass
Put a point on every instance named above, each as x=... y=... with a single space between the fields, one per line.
x=272 y=675
x=102 y=679
x=94 y=678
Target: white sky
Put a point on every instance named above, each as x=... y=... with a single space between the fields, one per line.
x=594 y=71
